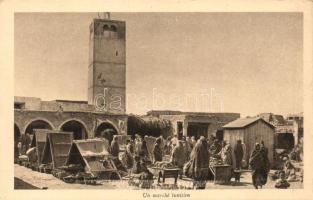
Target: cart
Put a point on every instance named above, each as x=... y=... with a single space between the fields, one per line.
x=166 y=173
x=222 y=173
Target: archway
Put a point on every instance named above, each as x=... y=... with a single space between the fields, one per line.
x=106 y=130
x=17 y=135
x=37 y=124
x=285 y=141
x=78 y=129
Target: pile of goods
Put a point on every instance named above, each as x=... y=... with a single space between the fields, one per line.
x=74 y=173
x=45 y=168
x=23 y=160
x=164 y=165
x=81 y=178
x=73 y=168
x=215 y=161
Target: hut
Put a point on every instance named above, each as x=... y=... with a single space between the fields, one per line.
x=250 y=131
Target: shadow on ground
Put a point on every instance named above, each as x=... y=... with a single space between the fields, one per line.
x=20 y=184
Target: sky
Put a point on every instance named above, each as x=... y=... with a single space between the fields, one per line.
x=247 y=63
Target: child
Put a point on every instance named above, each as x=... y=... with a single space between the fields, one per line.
x=282 y=183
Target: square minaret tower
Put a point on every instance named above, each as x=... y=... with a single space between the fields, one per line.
x=107 y=66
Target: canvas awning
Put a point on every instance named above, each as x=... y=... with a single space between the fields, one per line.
x=57 y=148
x=39 y=141
x=92 y=154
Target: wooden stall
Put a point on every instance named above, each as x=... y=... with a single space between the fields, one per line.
x=91 y=157
x=56 y=149
x=251 y=131
x=39 y=141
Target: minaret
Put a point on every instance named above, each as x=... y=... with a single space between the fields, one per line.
x=107 y=65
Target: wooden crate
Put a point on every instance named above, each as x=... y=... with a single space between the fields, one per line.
x=222 y=173
x=166 y=173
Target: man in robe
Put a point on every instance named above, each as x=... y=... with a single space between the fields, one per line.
x=187 y=148
x=162 y=142
x=238 y=151
x=193 y=141
x=157 y=151
x=178 y=159
x=129 y=154
x=174 y=141
x=144 y=153
x=198 y=166
x=115 y=150
x=259 y=165
x=138 y=144
x=115 y=147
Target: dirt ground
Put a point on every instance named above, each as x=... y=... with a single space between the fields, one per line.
x=25 y=178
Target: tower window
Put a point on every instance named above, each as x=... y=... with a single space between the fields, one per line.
x=105 y=27
x=116 y=53
x=113 y=28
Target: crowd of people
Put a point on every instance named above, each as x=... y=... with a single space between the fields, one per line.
x=193 y=156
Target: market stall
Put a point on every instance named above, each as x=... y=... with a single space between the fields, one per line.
x=56 y=150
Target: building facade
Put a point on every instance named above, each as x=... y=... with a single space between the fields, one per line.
x=78 y=117
x=195 y=123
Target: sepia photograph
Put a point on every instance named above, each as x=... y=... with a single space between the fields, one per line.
x=158 y=100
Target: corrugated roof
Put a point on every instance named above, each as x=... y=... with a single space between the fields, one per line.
x=243 y=122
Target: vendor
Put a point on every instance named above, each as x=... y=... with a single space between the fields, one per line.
x=157 y=151
x=290 y=171
x=215 y=148
x=238 y=151
x=140 y=167
x=226 y=155
x=115 y=148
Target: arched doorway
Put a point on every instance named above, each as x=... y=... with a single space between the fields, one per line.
x=17 y=135
x=285 y=141
x=76 y=127
x=106 y=130
x=37 y=124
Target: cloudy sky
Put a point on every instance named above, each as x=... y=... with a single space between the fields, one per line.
x=210 y=62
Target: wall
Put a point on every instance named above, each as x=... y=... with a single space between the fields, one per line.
x=215 y=120
x=90 y=120
x=31 y=103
